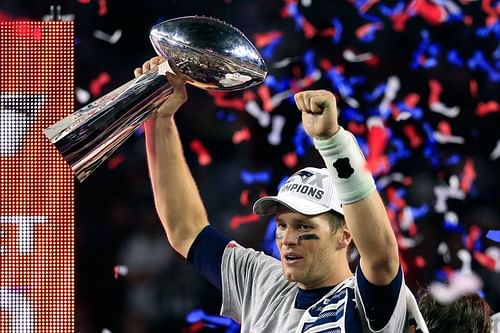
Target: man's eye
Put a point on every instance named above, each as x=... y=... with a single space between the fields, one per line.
x=304 y=227
x=281 y=226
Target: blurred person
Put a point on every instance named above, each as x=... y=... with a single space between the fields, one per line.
x=468 y=313
x=318 y=213
x=148 y=261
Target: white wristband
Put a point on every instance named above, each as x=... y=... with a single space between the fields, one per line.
x=347 y=166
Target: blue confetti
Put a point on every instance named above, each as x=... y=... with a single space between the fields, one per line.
x=301 y=141
x=494 y=235
x=454 y=58
x=255 y=177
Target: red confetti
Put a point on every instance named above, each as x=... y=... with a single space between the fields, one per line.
x=97 y=84
x=242 y=135
x=399 y=21
x=468 y=20
x=420 y=262
x=367 y=28
x=290 y=159
x=265 y=96
x=221 y=101
x=485 y=260
x=394 y=198
x=238 y=220
x=196 y=327
x=120 y=270
x=248 y=95
x=103 y=7
x=244 y=198
x=473 y=88
x=355 y=128
x=412 y=135
x=431 y=12
x=328 y=32
x=486 y=7
x=373 y=61
x=367 y=5
x=264 y=39
x=204 y=157
x=444 y=127
x=474 y=233
x=486 y=108
x=436 y=89
x=468 y=176
x=309 y=30
x=411 y=100
x=115 y=161
x=325 y=64
x=376 y=161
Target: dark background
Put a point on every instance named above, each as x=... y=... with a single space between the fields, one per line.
x=115 y=219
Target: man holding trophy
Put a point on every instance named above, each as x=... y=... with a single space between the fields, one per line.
x=319 y=212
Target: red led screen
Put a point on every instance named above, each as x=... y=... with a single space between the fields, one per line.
x=37 y=194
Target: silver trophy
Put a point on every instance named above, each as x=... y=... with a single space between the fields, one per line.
x=208 y=53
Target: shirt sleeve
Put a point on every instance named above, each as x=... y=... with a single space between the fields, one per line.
x=381 y=303
x=205 y=254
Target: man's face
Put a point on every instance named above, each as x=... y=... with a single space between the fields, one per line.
x=308 y=248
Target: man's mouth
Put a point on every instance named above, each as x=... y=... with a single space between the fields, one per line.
x=292 y=258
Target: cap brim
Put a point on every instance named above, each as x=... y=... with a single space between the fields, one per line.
x=270 y=204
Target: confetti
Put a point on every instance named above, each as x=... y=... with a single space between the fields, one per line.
x=241 y=136
x=204 y=157
x=97 y=84
x=494 y=235
x=278 y=122
x=120 y=270
x=255 y=177
x=238 y=220
x=111 y=39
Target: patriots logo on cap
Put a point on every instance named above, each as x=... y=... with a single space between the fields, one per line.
x=303 y=174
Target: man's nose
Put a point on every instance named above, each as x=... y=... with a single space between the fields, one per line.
x=290 y=237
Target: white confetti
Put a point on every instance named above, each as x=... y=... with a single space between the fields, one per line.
x=264 y=118
x=349 y=55
x=444 y=251
x=461 y=284
x=82 y=95
x=496 y=152
x=439 y=107
x=111 y=39
x=391 y=89
x=443 y=192
x=278 y=122
x=444 y=138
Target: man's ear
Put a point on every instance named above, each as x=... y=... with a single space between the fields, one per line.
x=344 y=238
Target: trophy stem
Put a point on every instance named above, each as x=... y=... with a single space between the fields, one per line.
x=87 y=137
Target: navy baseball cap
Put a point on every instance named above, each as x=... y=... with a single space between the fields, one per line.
x=309 y=191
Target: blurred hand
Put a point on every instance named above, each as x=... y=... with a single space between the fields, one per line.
x=319 y=113
x=179 y=95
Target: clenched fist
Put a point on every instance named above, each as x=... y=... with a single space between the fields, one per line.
x=319 y=113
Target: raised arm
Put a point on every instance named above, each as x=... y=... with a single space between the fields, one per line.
x=176 y=196
x=364 y=211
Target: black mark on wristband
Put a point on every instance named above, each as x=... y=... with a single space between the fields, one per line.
x=343 y=167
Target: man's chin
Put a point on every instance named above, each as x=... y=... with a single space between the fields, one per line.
x=291 y=276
